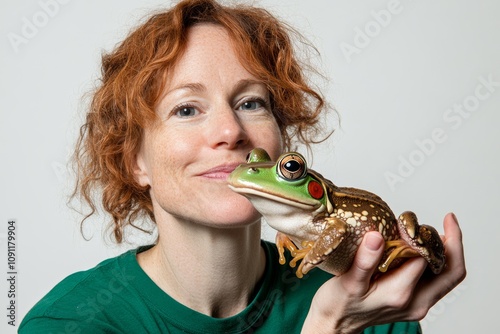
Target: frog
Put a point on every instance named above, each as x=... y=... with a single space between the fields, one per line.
x=321 y=224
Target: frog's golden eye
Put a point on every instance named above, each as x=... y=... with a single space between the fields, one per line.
x=292 y=166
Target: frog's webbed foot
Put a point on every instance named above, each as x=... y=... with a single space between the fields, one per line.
x=396 y=249
x=416 y=240
x=282 y=242
x=300 y=255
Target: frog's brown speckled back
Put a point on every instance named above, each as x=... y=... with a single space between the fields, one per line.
x=350 y=214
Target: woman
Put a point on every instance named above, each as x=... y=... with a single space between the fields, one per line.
x=183 y=100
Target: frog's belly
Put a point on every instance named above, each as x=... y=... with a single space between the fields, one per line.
x=288 y=219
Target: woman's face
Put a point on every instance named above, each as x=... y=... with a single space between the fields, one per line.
x=212 y=114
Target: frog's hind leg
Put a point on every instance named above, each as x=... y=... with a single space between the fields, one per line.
x=423 y=239
x=416 y=240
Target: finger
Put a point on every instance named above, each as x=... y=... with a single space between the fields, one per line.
x=407 y=274
x=357 y=278
x=451 y=227
x=431 y=291
x=454 y=250
x=455 y=270
x=400 y=282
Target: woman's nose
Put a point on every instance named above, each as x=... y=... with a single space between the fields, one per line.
x=225 y=129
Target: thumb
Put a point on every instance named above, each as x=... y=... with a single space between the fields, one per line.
x=367 y=258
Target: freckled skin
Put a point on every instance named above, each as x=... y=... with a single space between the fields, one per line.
x=336 y=222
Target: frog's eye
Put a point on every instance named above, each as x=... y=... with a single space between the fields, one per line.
x=292 y=167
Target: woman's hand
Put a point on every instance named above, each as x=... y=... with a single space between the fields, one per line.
x=352 y=302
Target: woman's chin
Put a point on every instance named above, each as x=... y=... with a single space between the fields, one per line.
x=219 y=207
x=237 y=212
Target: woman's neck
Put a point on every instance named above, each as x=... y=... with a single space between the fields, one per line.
x=211 y=270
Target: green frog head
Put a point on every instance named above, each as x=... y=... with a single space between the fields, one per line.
x=284 y=192
x=286 y=181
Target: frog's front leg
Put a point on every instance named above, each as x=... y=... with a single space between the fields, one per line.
x=334 y=232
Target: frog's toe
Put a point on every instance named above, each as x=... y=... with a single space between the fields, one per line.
x=282 y=242
x=301 y=254
x=396 y=250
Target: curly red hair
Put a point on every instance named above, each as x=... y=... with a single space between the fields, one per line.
x=133 y=78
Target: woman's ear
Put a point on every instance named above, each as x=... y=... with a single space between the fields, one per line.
x=141 y=174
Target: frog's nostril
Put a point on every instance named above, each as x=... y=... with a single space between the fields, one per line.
x=248 y=157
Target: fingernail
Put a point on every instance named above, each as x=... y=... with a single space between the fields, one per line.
x=454 y=218
x=373 y=241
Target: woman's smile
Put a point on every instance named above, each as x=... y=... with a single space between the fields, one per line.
x=220 y=172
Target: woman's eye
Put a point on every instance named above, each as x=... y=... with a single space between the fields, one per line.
x=186 y=112
x=251 y=105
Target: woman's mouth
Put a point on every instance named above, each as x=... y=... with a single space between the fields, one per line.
x=220 y=172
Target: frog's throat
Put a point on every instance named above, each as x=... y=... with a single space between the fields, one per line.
x=308 y=205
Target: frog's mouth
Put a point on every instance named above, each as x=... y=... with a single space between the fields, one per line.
x=252 y=194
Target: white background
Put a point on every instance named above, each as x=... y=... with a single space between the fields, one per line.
x=391 y=94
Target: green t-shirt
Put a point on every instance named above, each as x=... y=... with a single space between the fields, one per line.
x=118 y=297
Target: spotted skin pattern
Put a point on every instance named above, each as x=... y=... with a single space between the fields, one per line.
x=340 y=229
